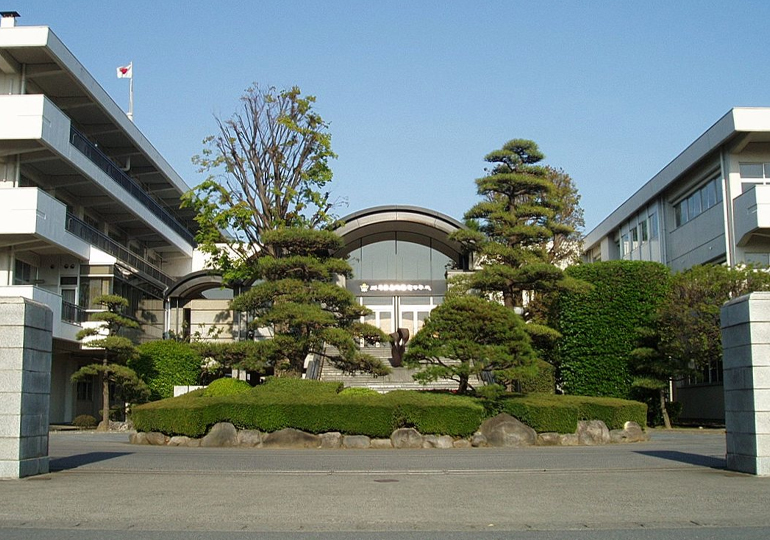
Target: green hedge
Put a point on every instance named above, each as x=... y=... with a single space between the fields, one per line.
x=226 y=387
x=318 y=407
x=163 y=364
x=543 y=382
x=599 y=328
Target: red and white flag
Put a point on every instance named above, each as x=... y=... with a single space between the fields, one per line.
x=126 y=72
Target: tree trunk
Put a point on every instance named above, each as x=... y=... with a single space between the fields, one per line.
x=463 y=384
x=663 y=411
x=104 y=425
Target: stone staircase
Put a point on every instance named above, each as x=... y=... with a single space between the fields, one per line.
x=399 y=379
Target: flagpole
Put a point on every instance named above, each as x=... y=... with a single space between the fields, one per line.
x=131 y=94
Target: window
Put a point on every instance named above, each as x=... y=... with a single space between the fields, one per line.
x=624 y=245
x=643 y=231
x=23 y=273
x=707 y=196
x=634 y=238
x=653 y=226
x=752 y=170
x=85 y=390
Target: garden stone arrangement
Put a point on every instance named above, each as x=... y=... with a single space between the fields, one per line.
x=502 y=430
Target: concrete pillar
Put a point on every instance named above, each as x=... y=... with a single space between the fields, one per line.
x=746 y=345
x=25 y=385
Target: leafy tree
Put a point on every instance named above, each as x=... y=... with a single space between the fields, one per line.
x=466 y=336
x=689 y=318
x=267 y=166
x=117 y=351
x=564 y=248
x=297 y=296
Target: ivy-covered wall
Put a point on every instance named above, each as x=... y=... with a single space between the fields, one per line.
x=599 y=327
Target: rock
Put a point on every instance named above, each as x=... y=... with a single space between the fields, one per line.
x=332 y=440
x=381 y=444
x=178 y=440
x=569 y=439
x=140 y=437
x=356 y=441
x=548 y=439
x=478 y=440
x=406 y=438
x=462 y=443
x=630 y=433
x=249 y=437
x=221 y=434
x=505 y=430
x=291 y=438
x=193 y=443
x=155 y=438
x=593 y=432
x=437 y=441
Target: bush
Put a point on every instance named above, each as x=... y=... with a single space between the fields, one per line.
x=85 y=421
x=226 y=387
x=599 y=328
x=163 y=364
x=359 y=391
x=543 y=382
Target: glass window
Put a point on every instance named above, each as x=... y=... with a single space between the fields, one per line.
x=757 y=258
x=710 y=194
x=634 y=238
x=23 y=273
x=694 y=205
x=752 y=170
x=654 y=226
x=643 y=231
x=624 y=247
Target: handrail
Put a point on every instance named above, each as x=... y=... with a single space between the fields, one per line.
x=83 y=230
x=101 y=160
x=72 y=313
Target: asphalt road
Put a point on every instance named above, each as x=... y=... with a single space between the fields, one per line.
x=674 y=486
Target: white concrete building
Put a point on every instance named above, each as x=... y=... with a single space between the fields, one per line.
x=711 y=204
x=87 y=205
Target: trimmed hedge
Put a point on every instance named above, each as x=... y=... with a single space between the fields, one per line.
x=599 y=328
x=226 y=387
x=165 y=363
x=318 y=407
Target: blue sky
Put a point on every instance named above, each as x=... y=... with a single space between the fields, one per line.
x=417 y=92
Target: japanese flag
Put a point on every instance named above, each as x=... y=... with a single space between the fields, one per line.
x=126 y=72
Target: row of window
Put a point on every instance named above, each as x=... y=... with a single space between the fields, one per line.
x=707 y=196
x=643 y=231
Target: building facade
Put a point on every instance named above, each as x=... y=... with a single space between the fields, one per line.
x=87 y=205
x=711 y=204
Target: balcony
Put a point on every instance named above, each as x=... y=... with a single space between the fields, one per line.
x=101 y=160
x=100 y=240
x=66 y=317
x=752 y=214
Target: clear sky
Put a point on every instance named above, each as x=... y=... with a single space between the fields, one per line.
x=417 y=92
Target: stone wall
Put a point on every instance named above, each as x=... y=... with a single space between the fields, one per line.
x=25 y=385
x=746 y=345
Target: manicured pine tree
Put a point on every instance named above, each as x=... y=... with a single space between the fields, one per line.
x=117 y=351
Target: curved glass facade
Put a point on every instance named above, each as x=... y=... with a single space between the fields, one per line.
x=398 y=260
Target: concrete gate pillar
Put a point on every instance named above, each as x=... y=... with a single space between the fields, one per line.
x=25 y=386
x=746 y=353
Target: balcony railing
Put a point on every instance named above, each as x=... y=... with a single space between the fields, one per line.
x=72 y=313
x=83 y=230
x=100 y=159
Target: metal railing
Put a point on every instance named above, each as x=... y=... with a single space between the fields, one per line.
x=72 y=313
x=83 y=230
x=100 y=159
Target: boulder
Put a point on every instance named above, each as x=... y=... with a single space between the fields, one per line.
x=462 y=443
x=548 y=439
x=291 y=438
x=140 y=437
x=505 y=430
x=193 y=443
x=331 y=440
x=569 y=439
x=221 y=434
x=437 y=441
x=406 y=438
x=381 y=444
x=631 y=432
x=593 y=432
x=249 y=437
x=155 y=438
x=178 y=440
x=478 y=440
x=356 y=441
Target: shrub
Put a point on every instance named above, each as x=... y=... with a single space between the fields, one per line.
x=226 y=387
x=359 y=391
x=599 y=328
x=85 y=421
x=542 y=382
x=163 y=364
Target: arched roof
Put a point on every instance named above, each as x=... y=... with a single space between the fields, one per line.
x=371 y=222
x=194 y=283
